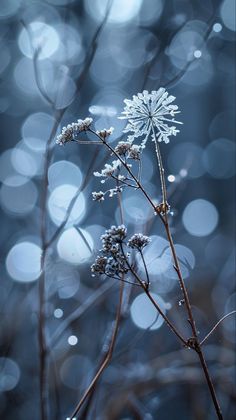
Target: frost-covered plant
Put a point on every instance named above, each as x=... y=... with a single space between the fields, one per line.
x=149 y=113
x=149 y=116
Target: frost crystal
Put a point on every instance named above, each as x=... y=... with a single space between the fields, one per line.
x=70 y=132
x=112 y=262
x=108 y=170
x=149 y=111
x=98 y=196
x=105 y=133
x=126 y=149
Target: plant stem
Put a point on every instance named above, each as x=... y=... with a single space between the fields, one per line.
x=161 y=169
x=144 y=287
x=193 y=342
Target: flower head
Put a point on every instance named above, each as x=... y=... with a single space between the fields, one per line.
x=105 y=132
x=151 y=111
x=98 y=195
x=72 y=130
x=109 y=170
x=138 y=241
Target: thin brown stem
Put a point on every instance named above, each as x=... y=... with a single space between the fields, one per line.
x=144 y=287
x=145 y=268
x=107 y=358
x=125 y=165
x=192 y=342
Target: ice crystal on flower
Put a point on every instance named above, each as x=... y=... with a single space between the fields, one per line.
x=112 y=262
x=98 y=196
x=108 y=170
x=126 y=149
x=72 y=130
x=105 y=132
x=148 y=112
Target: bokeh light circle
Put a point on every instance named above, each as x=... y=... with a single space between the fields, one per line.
x=18 y=199
x=200 y=217
x=121 y=11
x=219 y=158
x=75 y=372
x=36 y=130
x=75 y=246
x=9 y=374
x=227 y=12
x=64 y=172
x=9 y=7
x=59 y=202
x=145 y=315
x=39 y=36
x=23 y=262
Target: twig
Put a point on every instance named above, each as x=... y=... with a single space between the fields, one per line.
x=216 y=325
x=112 y=343
x=93 y=299
x=143 y=284
x=193 y=342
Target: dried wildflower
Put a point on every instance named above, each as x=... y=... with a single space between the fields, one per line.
x=99 y=265
x=116 y=234
x=126 y=149
x=98 y=196
x=114 y=191
x=65 y=136
x=112 y=262
x=109 y=170
x=122 y=148
x=134 y=152
x=105 y=133
x=70 y=132
x=149 y=111
x=138 y=241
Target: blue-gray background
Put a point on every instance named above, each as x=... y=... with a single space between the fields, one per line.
x=53 y=65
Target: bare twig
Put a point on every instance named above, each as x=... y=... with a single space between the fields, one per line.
x=113 y=339
x=216 y=325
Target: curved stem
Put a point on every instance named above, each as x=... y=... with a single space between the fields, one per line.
x=128 y=170
x=216 y=325
x=143 y=285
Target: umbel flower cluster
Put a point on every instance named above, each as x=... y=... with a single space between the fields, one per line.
x=114 y=259
x=149 y=113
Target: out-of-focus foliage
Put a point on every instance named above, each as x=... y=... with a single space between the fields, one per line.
x=51 y=70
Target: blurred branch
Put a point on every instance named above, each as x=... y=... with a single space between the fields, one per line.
x=216 y=325
x=93 y=299
x=107 y=358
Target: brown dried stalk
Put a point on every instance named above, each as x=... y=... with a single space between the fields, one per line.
x=162 y=210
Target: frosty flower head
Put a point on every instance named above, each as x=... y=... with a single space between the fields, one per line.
x=109 y=170
x=148 y=112
x=116 y=234
x=105 y=133
x=126 y=149
x=98 y=196
x=112 y=262
x=138 y=241
x=71 y=131
x=99 y=265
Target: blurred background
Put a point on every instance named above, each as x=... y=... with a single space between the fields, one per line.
x=61 y=60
